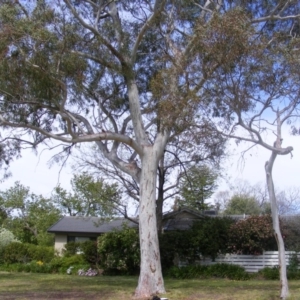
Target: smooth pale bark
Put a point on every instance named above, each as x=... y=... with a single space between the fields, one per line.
x=150 y=280
x=284 y=293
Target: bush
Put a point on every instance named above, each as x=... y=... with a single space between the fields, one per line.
x=40 y=253
x=17 y=252
x=207 y=237
x=210 y=235
x=61 y=264
x=176 y=245
x=252 y=236
x=270 y=273
x=233 y=272
x=6 y=237
x=119 y=251
x=90 y=252
x=71 y=248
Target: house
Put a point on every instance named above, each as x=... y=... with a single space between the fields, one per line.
x=80 y=229
x=69 y=229
x=182 y=218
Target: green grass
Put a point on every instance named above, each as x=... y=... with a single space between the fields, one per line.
x=53 y=286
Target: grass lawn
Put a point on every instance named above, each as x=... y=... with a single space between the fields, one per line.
x=47 y=286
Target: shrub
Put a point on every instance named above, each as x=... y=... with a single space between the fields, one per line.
x=270 y=273
x=40 y=253
x=252 y=236
x=119 y=251
x=71 y=248
x=233 y=272
x=210 y=235
x=16 y=253
x=6 y=237
x=207 y=237
x=293 y=262
x=176 y=245
x=90 y=252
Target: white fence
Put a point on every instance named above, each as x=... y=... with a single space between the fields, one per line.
x=251 y=263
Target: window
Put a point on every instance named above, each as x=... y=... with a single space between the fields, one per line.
x=81 y=238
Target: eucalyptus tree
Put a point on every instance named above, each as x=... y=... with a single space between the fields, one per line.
x=115 y=73
x=261 y=97
x=173 y=167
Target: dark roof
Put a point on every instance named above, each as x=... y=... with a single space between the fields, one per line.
x=181 y=219
x=88 y=225
x=196 y=214
x=178 y=224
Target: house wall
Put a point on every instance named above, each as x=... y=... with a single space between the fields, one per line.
x=60 y=241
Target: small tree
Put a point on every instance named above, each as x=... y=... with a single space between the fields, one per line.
x=28 y=215
x=242 y=204
x=197 y=185
x=90 y=197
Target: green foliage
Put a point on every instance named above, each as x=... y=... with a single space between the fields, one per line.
x=90 y=197
x=17 y=252
x=252 y=235
x=6 y=237
x=242 y=204
x=176 y=245
x=31 y=267
x=198 y=184
x=90 y=252
x=41 y=253
x=28 y=215
x=61 y=264
x=210 y=235
x=229 y=271
x=119 y=251
x=56 y=265
x=71 y=248
x=270 y=273
x=293 y=262
x=290 y=229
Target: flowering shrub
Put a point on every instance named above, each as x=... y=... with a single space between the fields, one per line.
x=89 y=272
x=252 y=236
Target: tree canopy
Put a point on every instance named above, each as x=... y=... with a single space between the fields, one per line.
x=197 y=185
x=90 y=197
x=28 y=216
x=133 y=76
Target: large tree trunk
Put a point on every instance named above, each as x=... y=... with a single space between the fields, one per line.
x=150 y=280
x=160 y=195
x=275 y=218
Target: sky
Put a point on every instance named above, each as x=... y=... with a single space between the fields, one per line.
x=34 y=171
